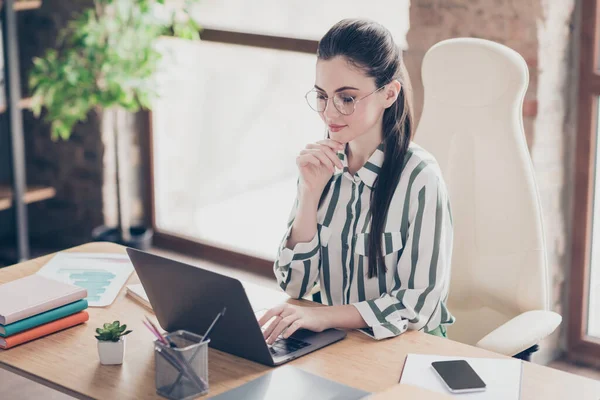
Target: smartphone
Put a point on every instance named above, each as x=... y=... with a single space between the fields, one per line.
x=369 y=331
x=458 y=376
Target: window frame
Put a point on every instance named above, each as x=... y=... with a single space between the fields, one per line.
x=581 y=346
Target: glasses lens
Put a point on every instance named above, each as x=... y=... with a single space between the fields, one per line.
x=344 y=103
x=317 y=101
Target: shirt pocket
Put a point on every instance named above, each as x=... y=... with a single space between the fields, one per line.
x=390 y=243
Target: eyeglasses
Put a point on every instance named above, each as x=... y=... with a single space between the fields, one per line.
x=343 y=102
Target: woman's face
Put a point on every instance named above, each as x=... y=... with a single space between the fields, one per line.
x=337 y=76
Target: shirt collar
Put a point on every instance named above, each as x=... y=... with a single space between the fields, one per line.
x=369 y=172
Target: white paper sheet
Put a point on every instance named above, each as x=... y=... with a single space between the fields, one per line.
x=103 y=275
x=501 y=376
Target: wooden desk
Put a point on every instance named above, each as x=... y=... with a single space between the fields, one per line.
x=68 y=360
x=409 y=392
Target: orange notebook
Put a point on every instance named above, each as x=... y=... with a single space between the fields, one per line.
x=43 y=330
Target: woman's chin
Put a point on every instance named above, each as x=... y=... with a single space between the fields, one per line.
x=338 y=137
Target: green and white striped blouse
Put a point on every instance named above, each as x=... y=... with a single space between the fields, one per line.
x=417 y=245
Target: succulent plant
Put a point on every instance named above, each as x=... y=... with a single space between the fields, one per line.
x=112 y=332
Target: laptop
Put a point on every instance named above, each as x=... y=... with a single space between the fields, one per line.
x=187 y=297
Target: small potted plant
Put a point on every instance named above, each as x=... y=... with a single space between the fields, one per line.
x=111 y=343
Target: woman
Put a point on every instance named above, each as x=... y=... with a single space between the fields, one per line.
x=372 y=221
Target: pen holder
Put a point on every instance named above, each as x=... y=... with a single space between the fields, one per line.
x=181 y=371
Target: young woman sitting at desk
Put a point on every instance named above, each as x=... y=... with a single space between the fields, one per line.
x=372 y=221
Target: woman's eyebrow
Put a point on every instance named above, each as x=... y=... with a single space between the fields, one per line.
x=339 y=89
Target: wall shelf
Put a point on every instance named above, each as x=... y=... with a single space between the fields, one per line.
x=17 y=194
x=32 y=194
x=24 y=104
x=24 y=5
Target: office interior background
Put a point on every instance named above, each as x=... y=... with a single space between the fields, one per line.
x=212 y=167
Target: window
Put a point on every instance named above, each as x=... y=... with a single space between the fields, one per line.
x=584 y=318
x=232 y=119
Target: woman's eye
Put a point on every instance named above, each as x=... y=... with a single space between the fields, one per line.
x=347 y=99
x=321 y=97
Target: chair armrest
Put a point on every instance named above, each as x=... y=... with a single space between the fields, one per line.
x=521 y=332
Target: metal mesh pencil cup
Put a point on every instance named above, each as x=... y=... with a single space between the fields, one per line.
x=181 y=372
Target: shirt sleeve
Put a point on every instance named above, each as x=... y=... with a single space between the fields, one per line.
x=297 y=269
x=425 y=261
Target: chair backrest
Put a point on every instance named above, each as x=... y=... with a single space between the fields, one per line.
x=472 y=123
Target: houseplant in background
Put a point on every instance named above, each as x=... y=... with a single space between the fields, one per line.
x=105 y=61
x=111 y=342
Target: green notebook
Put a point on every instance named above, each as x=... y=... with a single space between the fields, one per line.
x=43 y=318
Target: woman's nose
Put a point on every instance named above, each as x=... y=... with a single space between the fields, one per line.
x=330 y=111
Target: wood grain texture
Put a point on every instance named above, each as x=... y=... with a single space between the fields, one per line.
x=408 y=392
x=68 y=360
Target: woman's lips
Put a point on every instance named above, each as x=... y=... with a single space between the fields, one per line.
x=336 y=128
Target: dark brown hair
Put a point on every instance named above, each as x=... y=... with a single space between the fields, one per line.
x=370 y=47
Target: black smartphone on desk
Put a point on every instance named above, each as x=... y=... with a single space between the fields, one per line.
x=458 y=376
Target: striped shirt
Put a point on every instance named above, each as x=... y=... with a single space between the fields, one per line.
x=416 y=244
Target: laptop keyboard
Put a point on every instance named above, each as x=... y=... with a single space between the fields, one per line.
x=287 y=346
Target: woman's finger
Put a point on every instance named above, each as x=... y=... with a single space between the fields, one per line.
x=335 y=146
x=270 y=314
x=294 y=326
x=328 y=152
x=281 y=326
x=271 y=327
x=305 y=159
x=321 y=156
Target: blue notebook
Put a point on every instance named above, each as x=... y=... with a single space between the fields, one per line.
x=291 y=383
x=43 y=318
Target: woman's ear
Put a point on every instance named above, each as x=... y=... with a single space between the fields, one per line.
x=391 y=92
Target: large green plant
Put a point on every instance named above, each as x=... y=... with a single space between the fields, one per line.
x=106 y=57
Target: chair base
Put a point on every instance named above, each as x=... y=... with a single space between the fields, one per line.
x=525 y=355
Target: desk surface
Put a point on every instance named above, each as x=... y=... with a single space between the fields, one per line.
x=68 y=360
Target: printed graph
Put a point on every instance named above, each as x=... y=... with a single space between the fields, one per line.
x=96 y=281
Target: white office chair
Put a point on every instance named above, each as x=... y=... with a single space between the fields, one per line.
x=472 y=123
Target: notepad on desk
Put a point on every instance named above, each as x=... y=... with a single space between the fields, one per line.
x=43 y=318
x=137 y=292
x=35 y=306
x=501 y=376
x=44 y=330
x=33 y=295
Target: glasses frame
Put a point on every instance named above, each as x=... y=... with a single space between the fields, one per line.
x=354 y=101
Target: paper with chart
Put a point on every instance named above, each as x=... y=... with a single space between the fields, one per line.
x=103 y=275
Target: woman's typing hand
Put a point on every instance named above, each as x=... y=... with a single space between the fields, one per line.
x=285 y=319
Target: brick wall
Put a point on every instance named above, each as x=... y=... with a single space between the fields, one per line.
x=540 y=31
x=554 y=148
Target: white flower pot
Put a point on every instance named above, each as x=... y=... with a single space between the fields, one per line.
x=111 y=353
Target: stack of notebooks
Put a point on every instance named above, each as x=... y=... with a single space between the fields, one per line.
x=36 y=306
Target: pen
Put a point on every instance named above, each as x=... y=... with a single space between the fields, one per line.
x=155 y=332
x=219 y=315
x=165 y=339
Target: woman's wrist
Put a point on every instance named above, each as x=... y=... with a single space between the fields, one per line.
x=344 y=317
x=309 y=197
